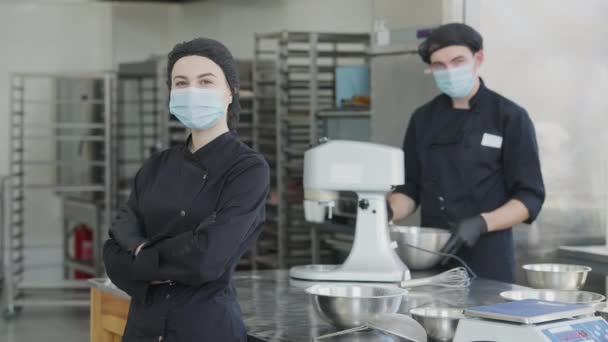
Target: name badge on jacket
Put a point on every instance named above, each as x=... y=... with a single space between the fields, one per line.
x=491 y=140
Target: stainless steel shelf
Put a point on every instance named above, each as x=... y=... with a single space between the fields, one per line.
x=96 y=163
x=65 y=125
x=52 y=302
x=341 y=113
x=300 y=53
x=64 y=102
x=303 y=81
x=67 y=188
x=76 y=138
x=299 y=69
x=64 y=284
x=269 y=260
x=79 y=118
x=322 y=37
x=80 y=266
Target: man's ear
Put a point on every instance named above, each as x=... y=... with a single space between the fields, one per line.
x=479 y=57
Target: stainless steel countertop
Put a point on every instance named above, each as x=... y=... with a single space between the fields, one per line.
x=593 y=253
x=275 y=308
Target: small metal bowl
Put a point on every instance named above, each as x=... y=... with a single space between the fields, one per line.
x=432 y=239
x=349 y=306
x=571 y=297
x=556 y=276
x=440 y=323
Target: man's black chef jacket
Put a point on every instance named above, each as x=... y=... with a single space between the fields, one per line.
x=461 y=163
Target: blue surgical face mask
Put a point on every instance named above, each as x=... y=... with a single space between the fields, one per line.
x=197 y=108
x=455 y=82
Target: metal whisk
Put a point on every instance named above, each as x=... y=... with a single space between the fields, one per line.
x=456 y=277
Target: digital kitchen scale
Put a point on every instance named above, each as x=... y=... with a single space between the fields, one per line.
x=532 y=320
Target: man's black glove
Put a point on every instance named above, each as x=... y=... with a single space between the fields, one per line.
x=465 y=233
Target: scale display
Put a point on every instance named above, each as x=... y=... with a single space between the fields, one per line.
x=579 y=332
x=532 y=321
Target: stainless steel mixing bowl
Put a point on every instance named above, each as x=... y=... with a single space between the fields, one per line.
x=440 y=323
x=556 y=276
x=428 y=238
x=348 y=306
x=572 y=297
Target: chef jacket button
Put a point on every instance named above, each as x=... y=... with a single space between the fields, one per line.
x=441 y=199
x=168 y=296
x=205 y=176
x=182 y=213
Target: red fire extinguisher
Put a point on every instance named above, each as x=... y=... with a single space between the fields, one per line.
x=83 y=248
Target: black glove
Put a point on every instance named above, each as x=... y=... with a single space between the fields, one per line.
x=465 y=233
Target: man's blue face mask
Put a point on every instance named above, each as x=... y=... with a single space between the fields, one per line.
x=456 y=82
x=197 y=108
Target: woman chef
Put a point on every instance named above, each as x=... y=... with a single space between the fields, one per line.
x=193 y=211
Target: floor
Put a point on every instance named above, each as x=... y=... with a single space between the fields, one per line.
x=47 y=324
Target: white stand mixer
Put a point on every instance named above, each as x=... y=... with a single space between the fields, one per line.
x=370 y=170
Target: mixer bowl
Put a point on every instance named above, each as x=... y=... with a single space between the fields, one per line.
x=556 y=276
x=349 y=306
x=428 y=238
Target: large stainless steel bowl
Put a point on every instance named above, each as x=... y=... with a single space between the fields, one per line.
x=440 y=323
x=428 y=238
x=556 y=276
x=572 y=297
x=348 y=306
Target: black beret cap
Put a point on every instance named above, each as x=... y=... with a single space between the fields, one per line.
x=448 y=35
x=221 y=56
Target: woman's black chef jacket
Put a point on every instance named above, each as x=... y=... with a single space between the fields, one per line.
x=199 y=212
x=461 y=163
